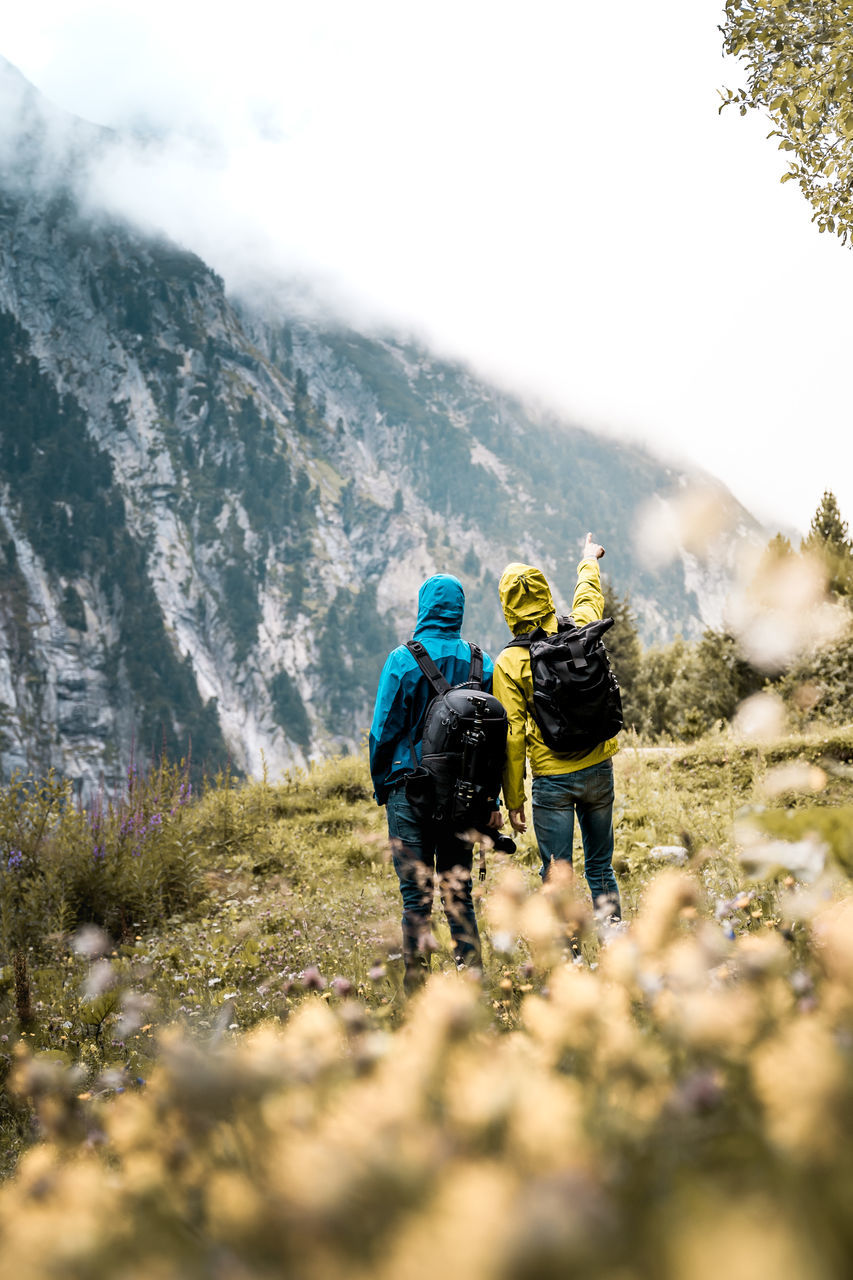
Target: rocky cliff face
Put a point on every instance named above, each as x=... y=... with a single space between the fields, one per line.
x=214 y=521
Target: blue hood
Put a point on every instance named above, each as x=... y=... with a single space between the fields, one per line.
x=441 y=604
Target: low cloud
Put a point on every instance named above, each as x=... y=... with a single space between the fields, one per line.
x=584 y=228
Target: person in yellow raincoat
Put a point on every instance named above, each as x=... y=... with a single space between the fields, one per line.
x=563 y=784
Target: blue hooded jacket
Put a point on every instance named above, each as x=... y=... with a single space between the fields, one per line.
x=404 y=692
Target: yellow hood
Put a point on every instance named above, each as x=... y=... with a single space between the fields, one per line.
x=526 y=599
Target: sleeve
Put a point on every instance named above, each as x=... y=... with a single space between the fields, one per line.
x=588 y=602
x=511 y=695
x=389 y=723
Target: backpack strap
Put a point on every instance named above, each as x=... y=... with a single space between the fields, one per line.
x=432 y=673
x=526 y=640
x=578 y=655
x=428 y=667
x=475 y=675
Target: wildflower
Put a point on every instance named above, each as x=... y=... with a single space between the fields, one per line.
x=702 y=1091
x=312 y=979
x=14 y=860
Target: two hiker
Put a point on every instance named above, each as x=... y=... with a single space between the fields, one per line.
x=563 y=782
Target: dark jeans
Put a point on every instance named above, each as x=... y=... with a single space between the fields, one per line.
x=421 y=852
x=589 y=793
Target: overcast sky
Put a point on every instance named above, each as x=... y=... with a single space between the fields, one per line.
x=546 y=191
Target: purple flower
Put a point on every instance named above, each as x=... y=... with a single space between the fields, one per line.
x=99 y=852
x=312 y=979
x=14 y=860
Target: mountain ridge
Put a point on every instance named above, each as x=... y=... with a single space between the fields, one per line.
x=261 y=496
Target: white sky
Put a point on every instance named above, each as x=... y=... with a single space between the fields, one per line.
x=546 y=191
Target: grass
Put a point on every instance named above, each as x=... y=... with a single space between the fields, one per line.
x=294 y=878
x=660 y=1042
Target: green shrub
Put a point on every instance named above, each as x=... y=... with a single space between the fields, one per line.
x=123 y=862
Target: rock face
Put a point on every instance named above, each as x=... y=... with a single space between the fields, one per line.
x=214 y=521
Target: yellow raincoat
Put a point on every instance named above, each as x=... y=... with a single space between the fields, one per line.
x=527 y=603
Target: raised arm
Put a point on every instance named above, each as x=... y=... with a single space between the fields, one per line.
x=588 y=602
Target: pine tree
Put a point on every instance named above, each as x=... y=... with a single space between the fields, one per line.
x=624 y=649
x=827 y=526
x=778 y=548
x=828 y=537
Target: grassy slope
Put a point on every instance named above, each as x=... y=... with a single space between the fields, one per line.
x=680 y=1094
x=296 y=877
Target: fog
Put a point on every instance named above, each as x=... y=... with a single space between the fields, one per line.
x=548 y=194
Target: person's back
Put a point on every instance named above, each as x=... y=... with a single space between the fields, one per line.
x=419 y=846
x=563 y=783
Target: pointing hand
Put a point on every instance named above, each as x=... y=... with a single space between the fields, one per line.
x=592 y=550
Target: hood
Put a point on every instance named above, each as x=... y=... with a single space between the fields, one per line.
x=526 y=599
x=441 y=604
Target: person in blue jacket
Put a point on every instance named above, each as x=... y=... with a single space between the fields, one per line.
x=420 y=849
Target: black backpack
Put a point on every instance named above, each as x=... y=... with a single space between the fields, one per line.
x=462 y=749
x=576 y=699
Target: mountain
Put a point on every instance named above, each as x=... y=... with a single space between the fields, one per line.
x=214 y=517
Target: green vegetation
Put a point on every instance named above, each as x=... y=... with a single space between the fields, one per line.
x=235 y=1073
x=829 y=537
x=799 y=63
x=679 y=691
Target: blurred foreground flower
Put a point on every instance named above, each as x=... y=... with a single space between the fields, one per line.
x=691 y=521
x=678 y=1105
x=760 y=717
x=763 y=858
x=780 y=609
x=797 y=775
x=91 y=942
x=675 y=854
x=100 y=978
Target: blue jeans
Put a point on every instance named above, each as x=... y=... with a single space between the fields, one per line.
x=589 y=793
x=420 y=851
